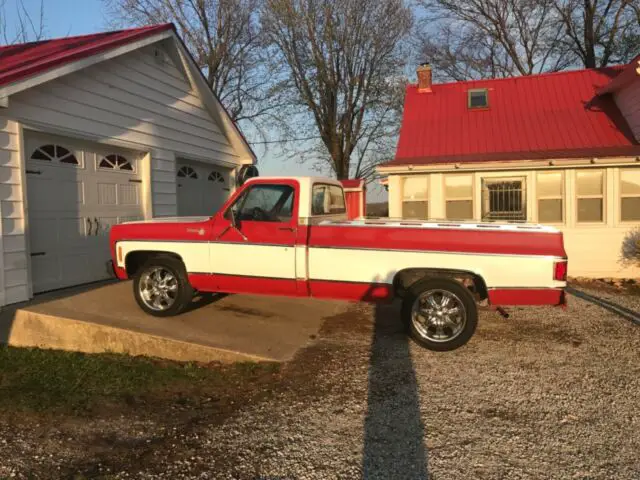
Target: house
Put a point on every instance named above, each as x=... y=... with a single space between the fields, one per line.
x=556 y=148
x=100 y=129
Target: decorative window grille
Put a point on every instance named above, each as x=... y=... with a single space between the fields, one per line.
x=116 y=162
x=504 y=199
x=54 y=153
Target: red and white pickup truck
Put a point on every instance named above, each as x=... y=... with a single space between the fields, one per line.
x=290 y=236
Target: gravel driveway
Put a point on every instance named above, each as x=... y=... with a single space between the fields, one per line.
x=549 y=393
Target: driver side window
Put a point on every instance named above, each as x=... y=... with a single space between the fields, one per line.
x=265 y=203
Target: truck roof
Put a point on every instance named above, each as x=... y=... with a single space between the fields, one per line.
x=301 y=179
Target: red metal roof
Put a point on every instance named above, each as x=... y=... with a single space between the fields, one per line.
x=24 y=60
x=546 y=116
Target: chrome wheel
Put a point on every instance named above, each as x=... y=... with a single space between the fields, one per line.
x=438 y=315
x=158 y=288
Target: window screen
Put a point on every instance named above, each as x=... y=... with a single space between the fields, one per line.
x=629 y=195
x=590 y=196
x=458 y=192
x=327 y=200
x=550 y=197
x=415 y=203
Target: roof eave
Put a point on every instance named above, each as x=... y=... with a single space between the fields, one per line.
x=390 y=169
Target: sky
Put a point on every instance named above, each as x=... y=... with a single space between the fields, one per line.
x=78 y=17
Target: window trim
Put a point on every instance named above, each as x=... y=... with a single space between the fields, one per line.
x=562 y=197
x=478 y=90
x=465 y=199
x=322 y=184
x=602 y=196
x=621 y=196
x=524 y=192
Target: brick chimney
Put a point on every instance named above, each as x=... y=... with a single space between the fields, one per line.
x=424 y=78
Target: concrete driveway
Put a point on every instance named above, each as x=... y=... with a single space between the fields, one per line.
x=223 y=328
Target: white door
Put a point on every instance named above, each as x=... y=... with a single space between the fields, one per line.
x=75 y=192
x=202 y=188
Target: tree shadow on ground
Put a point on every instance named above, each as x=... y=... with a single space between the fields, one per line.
x=394 y=443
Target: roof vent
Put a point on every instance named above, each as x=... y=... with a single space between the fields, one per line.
x=158 y=55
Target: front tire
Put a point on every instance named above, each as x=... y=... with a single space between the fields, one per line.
x=161 y=287
x=440 y=314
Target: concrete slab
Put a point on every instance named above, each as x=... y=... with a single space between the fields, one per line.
x=105 y=317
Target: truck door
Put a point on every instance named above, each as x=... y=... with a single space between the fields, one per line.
x=252 y=249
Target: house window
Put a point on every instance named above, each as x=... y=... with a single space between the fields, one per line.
x=504 y=199
x=629 y=195
x=187 y=172
x=550 y=197
x=458 y=193
x=415 y=202
x=327 y=200
x=478 y=98
x=54 y=153
x=116 y=162
x=590 y=196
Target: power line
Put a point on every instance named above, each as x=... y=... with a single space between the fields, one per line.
x=265 y=142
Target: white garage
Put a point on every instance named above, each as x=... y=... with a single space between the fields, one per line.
x=97 y=130
x=202 y=188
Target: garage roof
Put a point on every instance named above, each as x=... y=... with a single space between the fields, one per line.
x=546 y=116
x=23 y=60
x=23 y=65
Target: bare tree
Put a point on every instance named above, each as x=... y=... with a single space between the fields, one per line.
x=27 y=27
x=492 y=38
x=600 y=32
x=344 y=65
x=224 y=37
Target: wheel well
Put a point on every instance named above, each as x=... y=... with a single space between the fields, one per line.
x=405 y=278
x=135 y=260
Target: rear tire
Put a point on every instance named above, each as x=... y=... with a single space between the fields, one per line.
x=161 y=287
x=439 y=314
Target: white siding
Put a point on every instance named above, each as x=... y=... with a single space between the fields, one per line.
x=163 y=181
x=13 y=250
x=628 y=101
x=593 y=249
x=133 y=101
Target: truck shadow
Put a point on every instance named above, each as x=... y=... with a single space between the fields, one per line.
x=394 y=436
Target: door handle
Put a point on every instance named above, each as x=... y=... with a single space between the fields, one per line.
x=287 y=229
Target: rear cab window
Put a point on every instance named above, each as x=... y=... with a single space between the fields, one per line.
x=327 y=200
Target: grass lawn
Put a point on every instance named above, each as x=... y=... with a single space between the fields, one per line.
x=56 y=381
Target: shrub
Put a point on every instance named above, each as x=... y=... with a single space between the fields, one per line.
x=630 y=251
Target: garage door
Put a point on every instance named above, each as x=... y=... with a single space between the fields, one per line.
x=202 y=188
x=75 y=192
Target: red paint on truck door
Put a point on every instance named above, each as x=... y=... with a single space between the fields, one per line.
x=257 y=254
